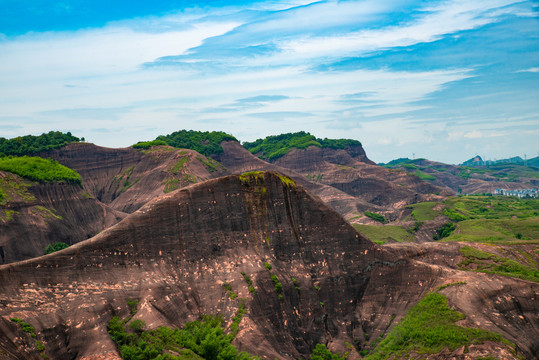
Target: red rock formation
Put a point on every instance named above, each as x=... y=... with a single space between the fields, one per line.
x=175 y=253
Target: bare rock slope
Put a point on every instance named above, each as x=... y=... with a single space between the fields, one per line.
x=175 y=253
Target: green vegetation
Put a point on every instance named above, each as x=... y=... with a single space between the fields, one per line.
x=57 y=246
x=424 y=211
x=133 y=305
x=178 y=175
x=498 y=231
x=428 y=328
x=252 y=175
x=501 y=172
x=494 y=207
x=235 y=326
x=27 y=328
x=273 y=147
x=288 y=182
x=205 y=142
x=481 y=261
x=321 y=352
x=39 y=169
x=231 y=292
x=30 y=144
x=375 y=216
x=276 y=283
x=13 y=188
x=413 y=167
x=201 y=339
x=384 y=234
x=424 y=176
x=124 y=179
x=45 y=213
x=148 y=144
x=211 y=164
x=452 y=284
x=249 y=282
x=444 y=231
x=452 y=214
x=295 y=282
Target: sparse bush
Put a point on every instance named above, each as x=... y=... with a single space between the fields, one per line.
x=149 y=144
x=204 y=338
x=133 y=305
x=453 y=215
x=444 y=231
x=321 y=352
x=137 y=325
x=57 y=246
x=375 y=216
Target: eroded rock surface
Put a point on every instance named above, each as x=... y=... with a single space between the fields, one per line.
x=175 y=253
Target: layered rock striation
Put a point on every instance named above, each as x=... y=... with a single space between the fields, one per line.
x=175 y=254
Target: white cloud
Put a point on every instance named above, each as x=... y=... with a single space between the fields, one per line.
x=532 y=70
x=448 y=18
x=96 y=78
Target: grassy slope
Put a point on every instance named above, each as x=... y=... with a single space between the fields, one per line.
x=428 y=328
x=39 y=169
x=384 y=234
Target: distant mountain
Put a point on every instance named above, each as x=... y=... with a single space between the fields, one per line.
x=478 y=161
x=472 y=177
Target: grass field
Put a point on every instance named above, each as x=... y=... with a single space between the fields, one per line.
x=428 y=328
x=498 y=231
x=384 y=234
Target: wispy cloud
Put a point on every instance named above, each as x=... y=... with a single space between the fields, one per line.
x=264 y=65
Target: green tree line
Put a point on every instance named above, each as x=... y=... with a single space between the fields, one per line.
x=274 y=147
x=30 y=144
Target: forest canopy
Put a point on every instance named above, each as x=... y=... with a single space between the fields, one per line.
x=205 y=142
x=273 y=147
x=30 y=144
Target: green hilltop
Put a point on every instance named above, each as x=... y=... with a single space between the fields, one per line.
x=276 y=146
x=205 y=142
x=30 y=144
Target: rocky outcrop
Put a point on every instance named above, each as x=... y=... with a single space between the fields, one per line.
x=345 y=179
x=175 y=253
x=34 y=215
x=125 y=179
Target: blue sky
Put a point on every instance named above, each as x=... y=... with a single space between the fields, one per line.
x=444 y=80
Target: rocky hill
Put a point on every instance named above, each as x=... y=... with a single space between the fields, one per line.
x=187 y=252
x=115 y=182
x=474 y=179
x=344 y=166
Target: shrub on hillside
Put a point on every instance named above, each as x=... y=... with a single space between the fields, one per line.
x=149 y=144
x=57 y=246
x=375 y=216
x=444 y=231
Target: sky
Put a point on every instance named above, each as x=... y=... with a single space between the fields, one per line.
x=443 y=80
